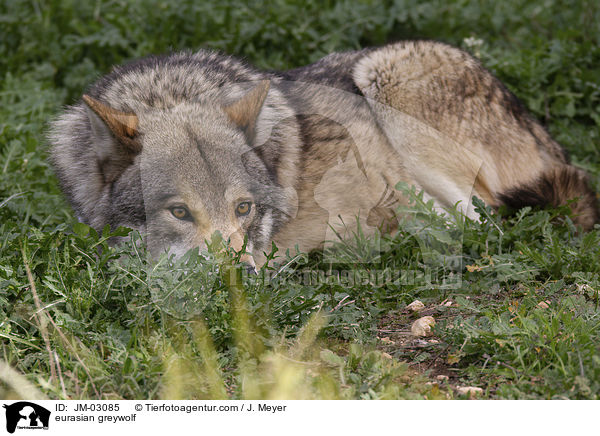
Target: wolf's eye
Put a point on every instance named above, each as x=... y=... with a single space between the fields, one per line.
x=243 y=208
x=181 y=213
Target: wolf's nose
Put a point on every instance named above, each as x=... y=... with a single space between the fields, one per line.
x=250 y=270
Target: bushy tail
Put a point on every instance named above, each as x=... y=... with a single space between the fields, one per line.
x=555 y=188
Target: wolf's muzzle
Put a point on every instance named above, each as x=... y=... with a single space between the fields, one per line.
x=250 y=269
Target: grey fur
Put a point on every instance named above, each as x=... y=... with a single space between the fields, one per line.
x=420 y=112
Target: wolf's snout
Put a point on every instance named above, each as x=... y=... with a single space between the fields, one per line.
x=250 y=269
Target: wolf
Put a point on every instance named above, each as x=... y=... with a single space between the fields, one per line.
x=183 y=145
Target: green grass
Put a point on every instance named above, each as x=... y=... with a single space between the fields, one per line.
x=104 y=322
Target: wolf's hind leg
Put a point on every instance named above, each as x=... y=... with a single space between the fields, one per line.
x=393 y=81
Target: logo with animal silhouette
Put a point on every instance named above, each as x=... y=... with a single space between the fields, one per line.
x=26 y=415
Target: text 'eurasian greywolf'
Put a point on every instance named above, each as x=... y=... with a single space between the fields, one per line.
x=183 y=145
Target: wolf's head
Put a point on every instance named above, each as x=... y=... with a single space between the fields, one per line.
x=183 y=172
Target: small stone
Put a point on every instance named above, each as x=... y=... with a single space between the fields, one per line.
x=441 y=377
x=471 y=391
x=543 y=304
x=416 y=306
x=584 y=288
x=422 y=326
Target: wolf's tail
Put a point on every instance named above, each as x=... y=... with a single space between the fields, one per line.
x=557 y=187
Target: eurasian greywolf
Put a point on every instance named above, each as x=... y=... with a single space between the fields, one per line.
x=183 y=145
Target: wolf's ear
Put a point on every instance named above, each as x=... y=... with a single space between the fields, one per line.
x=244 y=111
x=122 y=125
x=115 y=138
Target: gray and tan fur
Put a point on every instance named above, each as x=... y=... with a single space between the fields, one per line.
x=176 y=146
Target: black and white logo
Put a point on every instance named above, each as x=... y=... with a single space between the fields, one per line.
x=26 y=415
